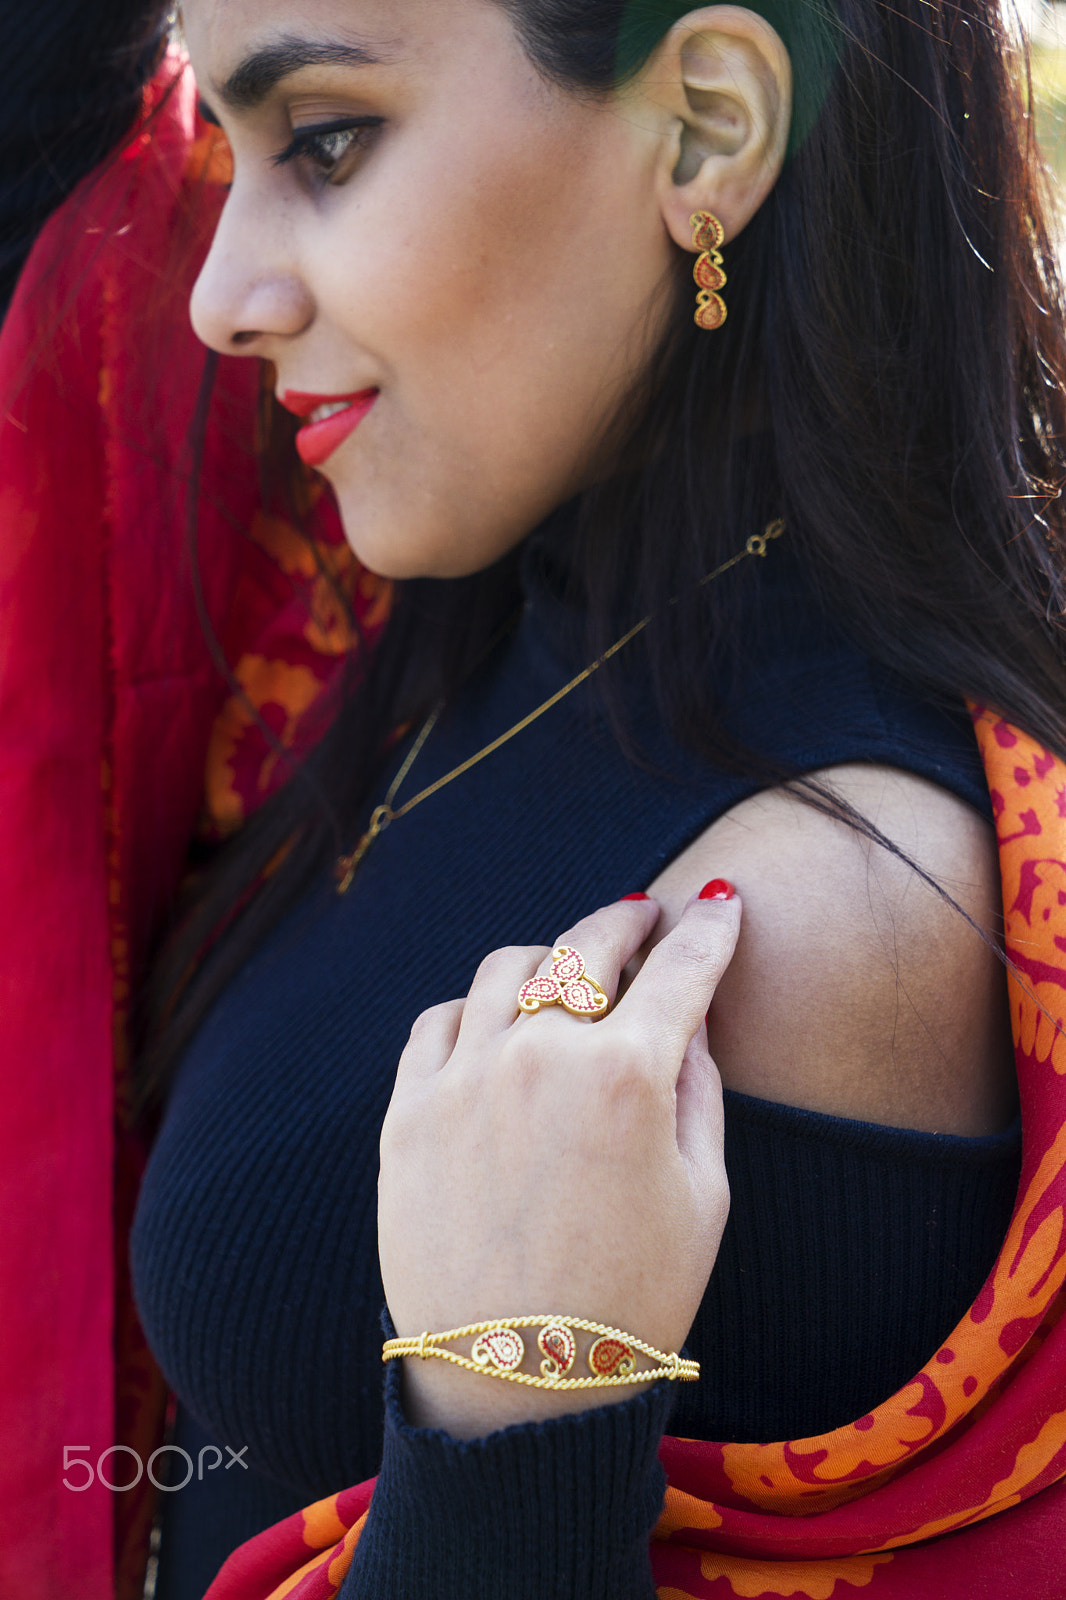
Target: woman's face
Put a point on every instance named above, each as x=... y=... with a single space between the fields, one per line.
x=474 y=254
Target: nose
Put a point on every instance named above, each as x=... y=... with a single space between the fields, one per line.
x=249 y=297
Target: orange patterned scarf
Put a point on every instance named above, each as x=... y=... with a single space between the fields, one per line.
x=955 y=1486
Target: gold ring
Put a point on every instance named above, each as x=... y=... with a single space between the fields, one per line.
x=567 y=985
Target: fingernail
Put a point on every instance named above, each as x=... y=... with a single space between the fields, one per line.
x=638 y=896
x=717 y=889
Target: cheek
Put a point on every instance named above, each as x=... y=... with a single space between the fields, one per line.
x=494 y=308
x=496 y=294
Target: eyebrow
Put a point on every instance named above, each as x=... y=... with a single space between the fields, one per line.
x=260 y=73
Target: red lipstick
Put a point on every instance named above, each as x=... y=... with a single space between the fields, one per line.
x=316 y=442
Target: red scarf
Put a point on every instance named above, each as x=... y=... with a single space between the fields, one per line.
x=111 y=713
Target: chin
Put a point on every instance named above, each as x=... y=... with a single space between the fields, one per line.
x=388 y=558
x=372 y=536
x=439 y=552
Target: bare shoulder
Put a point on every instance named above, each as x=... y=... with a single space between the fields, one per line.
x=856 y=989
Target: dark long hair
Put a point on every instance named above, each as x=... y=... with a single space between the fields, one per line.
x=890 y=379
x=60 y=120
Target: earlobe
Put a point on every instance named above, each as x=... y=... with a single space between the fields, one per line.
x=729 y=80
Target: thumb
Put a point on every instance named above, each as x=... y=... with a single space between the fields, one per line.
x=700 y=1119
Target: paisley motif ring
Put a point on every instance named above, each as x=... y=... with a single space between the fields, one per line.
x=567 y=984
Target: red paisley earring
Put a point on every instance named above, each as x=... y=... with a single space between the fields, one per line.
x=707 y=236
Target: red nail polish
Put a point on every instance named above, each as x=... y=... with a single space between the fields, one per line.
x=637 y=896
x=717 y=889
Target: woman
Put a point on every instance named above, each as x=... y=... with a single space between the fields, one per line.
x=462 y=235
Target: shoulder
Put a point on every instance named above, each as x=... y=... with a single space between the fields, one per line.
x=856 y=988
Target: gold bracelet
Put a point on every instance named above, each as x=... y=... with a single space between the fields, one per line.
x=498 y=1352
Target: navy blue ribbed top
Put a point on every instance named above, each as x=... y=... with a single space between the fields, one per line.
x=850 y=1253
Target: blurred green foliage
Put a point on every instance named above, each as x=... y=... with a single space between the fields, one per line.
x=1049 y=102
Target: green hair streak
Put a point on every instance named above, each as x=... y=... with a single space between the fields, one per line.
x=808 y=29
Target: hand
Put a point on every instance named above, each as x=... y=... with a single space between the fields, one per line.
x=548 y=1164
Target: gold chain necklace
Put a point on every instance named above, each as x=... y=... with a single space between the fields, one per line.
x=388 y=812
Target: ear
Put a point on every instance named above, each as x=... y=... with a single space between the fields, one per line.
x=724 y=77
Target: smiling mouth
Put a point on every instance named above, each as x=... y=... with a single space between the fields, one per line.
x=331 y=409
x=330 y=420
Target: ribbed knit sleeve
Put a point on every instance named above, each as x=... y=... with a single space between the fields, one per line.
x=536 y=1512
x=71 y=76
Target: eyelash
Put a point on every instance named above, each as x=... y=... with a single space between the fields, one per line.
x=310 y=144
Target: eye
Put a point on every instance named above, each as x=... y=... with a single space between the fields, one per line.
x=324 y=148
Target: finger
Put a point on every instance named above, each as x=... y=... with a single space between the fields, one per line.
x=606 y=941
x=700 y=1117
x=492 y=1003
x=670 y=996
x=701 y=1146
x=610 y=938
x=431 y=1042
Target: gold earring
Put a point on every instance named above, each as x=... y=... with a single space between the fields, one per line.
x=707 y=235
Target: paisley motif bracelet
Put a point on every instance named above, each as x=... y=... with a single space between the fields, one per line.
x=498 y=1351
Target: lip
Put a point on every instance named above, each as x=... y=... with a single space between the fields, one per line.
x=316 y=442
